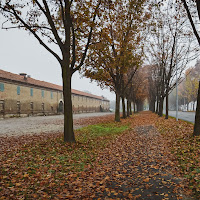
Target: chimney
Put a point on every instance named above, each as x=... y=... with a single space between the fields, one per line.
x=24 y=75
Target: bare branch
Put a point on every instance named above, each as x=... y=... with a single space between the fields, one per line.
x=31 y=30
x=191 y=20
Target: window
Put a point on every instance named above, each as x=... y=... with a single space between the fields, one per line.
x=51 y=95
x=1 y=87
x=18 y=90
x=31 y=91
x=42 y=93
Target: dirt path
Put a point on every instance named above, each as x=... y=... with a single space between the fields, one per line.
x=137 y=165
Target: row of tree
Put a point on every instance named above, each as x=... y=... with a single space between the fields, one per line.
x=108 y=40
x=171 y=47
x=102 y=38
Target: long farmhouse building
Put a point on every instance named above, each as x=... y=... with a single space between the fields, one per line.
x=21 y=95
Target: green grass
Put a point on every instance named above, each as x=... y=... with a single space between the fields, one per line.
x=54 y=158
x=100 y=130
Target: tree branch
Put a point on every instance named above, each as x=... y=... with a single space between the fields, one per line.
x=191 y=21
x=32 y=31
x=51 y=23
x=88 y=41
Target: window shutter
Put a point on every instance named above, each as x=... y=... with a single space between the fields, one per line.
x=18 y=90
x=31 y=91
x=42 y=93
x=1 y=87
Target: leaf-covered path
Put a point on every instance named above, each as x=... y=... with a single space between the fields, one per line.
x=137 y=165
x=126 y=160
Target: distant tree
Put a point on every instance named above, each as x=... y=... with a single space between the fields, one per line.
x=66 y=24
x=188 y=89
x=152 y=87
x=191 y=86
x=139 y=91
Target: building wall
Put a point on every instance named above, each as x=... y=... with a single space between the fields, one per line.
x=88 y=104
x=23 y=103
x=43 y=101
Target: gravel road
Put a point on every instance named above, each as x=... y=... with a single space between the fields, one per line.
x=40 y=124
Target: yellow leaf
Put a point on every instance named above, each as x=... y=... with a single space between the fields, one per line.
x=146 y=180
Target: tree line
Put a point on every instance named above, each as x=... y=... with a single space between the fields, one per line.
x=110 y=42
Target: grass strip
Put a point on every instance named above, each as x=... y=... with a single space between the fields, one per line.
x=44 y=165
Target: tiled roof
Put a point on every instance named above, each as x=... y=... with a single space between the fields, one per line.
x=28 y=80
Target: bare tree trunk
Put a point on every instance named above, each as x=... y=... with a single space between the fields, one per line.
x=167 y=105
x=160 y=113
x=124 y=108
x=154 y=107
x=197 y=116
x=130 y=106
x=68 y=115
x=157 y=107
x=128 y=109
x=134 y=107
x=117 y=108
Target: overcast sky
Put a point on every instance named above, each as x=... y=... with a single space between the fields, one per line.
x=21 y=52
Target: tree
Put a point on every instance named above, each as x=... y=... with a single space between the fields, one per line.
x=139 y=88
x=67 y=26
x=152 y=87
x=188 y=89
x=197 y=116
x=119 y=47
x=169 y=51
x=195 y=6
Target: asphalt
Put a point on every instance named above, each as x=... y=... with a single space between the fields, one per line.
x=186 y=116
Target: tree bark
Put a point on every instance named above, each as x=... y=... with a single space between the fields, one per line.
x=68 y=114
x=128 y=109
x=124 y=108
x=152 y=105
x=134 y=107
x=130 y=106
x=117 y=108
x=160 y=113
x=157 y=107
x=154 y=102
x=167 y=105
x=197 y=116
